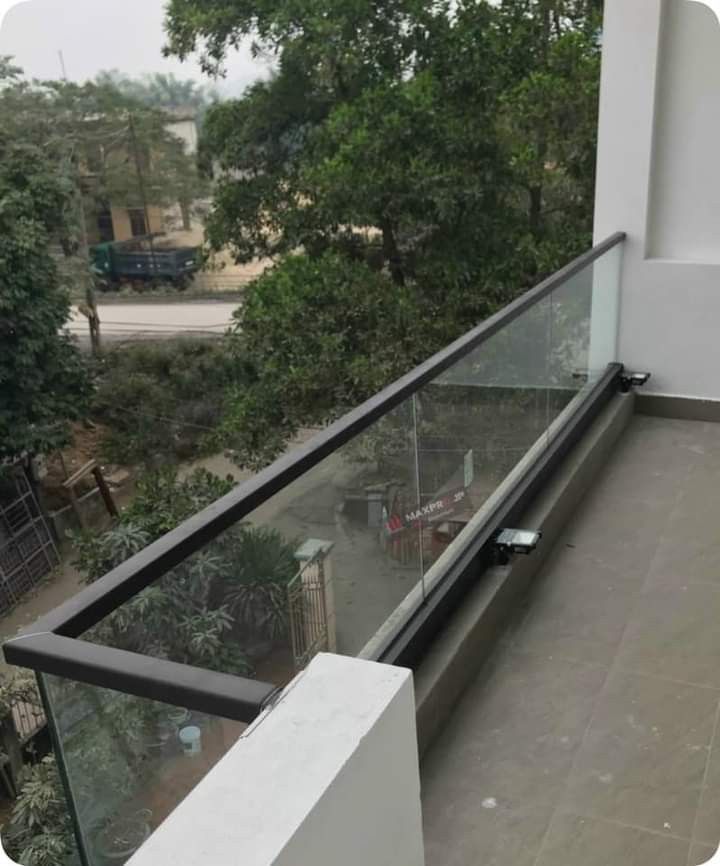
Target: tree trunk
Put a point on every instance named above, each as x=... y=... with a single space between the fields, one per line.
x=535 y=210
x=185 y=211
x=391 y=252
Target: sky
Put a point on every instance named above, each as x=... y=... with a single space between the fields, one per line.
x=95 y=35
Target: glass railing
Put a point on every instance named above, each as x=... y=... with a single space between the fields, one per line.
x=340 y=546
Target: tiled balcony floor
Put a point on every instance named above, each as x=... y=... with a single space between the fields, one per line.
x=591 y=739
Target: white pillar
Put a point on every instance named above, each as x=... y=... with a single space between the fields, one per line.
x=328 y=777
x=320 y=549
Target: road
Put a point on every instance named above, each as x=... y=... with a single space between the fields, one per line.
x=134 y=321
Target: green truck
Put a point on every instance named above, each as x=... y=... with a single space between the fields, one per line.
x=127 y=262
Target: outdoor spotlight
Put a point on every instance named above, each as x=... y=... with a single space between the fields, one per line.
x=633 y=380
x=514 y=541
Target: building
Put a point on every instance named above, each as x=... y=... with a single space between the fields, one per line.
x=471 y=697
x=109 y=221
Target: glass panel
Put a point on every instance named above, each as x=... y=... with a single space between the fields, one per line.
x=485 y=415
x=584 y=327
x=339 y=554
x=605 y=315
x=319 y=566
x=478 y=419
x=571 y=308
x=129 y=762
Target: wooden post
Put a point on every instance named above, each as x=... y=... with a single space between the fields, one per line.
x=105 y=492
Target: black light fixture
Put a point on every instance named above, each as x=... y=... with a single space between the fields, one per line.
x=515 y=541
x=628 y=381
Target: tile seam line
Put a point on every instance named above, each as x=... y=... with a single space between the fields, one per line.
x=704 y=785
x=583 y=740
x=638 y=827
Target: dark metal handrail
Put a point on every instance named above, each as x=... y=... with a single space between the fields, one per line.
x=51 y=645
x=124 y=582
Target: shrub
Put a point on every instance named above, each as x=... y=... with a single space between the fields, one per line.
x=214 y=604
x=160 y=401
x=39 y=832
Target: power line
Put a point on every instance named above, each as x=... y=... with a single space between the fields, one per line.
x=160 y=325
x=161 y=418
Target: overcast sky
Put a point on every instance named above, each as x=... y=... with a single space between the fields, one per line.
x=100 y=34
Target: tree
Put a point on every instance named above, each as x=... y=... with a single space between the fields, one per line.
x=111 y=145
x=43 y=380
x=315 y=338
x=548 y=118
x=445 y=147
x=163 y=91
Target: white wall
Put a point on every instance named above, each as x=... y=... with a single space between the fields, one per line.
x=659 y=180
x=186 y=130
x=329 y=777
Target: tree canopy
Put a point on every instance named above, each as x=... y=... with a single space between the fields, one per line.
x=42 y=378
x=161 y=90
x=444 y=150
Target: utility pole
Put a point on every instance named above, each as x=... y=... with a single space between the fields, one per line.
x=141 y=187
x=89 y=308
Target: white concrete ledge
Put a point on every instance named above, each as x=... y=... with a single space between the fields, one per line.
x=328 y=776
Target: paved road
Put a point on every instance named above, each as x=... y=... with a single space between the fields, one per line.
x=146 y=320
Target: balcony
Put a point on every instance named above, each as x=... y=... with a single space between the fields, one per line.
x=590 y=737
x=391 y=514
x=565 y=703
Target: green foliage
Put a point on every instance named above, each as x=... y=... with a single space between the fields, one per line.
x=18 y=688
x=315 y=337
x=39 y=832
x=160 y=400
x=437 y=157
x=162 y=501
x=257 y=585
x=97 y=135
x=42 y=376
x=210 y=609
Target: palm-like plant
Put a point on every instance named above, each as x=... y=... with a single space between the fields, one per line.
x=263 y=563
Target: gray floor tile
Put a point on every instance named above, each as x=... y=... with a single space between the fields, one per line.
x=617 y=531
x=651 y=461
x=579 y=609
x=674 y=632
x=473 y=832
x=681 y=565
x=707 y=828
x=701 y=854
x=540 y=734
x=688 y=549
x=582 y=841
x=513 y=739
x=643 y=759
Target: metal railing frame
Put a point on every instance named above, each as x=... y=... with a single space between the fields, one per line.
x=53 y=644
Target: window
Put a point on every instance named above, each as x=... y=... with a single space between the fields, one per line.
x=138 y=226
x=106 y=230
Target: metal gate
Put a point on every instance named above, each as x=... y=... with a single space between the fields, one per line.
x=307 y=608
x=27 y=549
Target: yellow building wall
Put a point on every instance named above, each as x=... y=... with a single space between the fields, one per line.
x=121 y=221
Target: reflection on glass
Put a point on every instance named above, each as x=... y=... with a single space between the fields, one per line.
x=356 y=506
x=319 y=566
x=129 y=762
x=479 y=418
x=325 y=562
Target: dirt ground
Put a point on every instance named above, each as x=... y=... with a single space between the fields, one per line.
x=86 y=445
x=63 y=584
